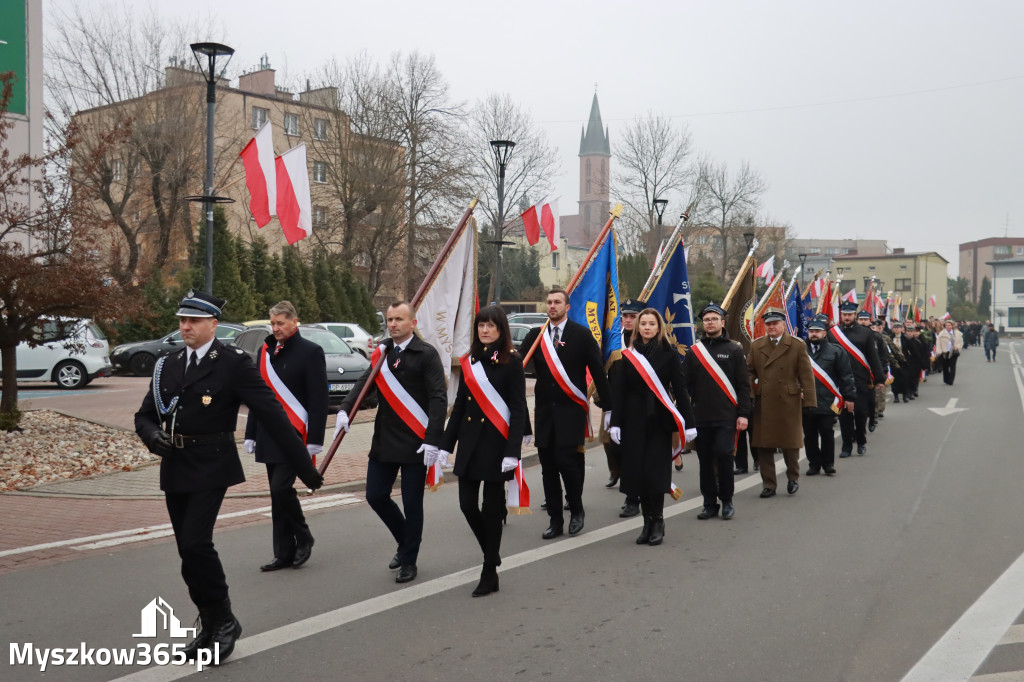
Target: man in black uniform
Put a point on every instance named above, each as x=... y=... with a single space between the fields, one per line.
x=188 y=418
x=296 y=373
x=629 y=310
x=718 y=381
x=819 y=422
x=882 y=350
x=561 y=421
x=859 y=344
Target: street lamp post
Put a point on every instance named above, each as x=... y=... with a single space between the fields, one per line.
x=659 y=209
x=210 y=52
x=803 y=259
x=502 y=151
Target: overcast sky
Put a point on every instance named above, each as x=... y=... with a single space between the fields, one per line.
x=897 y=120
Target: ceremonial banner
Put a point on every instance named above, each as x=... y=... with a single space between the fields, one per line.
x=773 y=298
x=670 y=296
x=795 y=313
x=739 y=305
x=594 y=302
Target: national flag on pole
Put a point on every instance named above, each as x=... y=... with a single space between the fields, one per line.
x=544 y=216
x=850 y=296
x=260 y=174
x=531 y=225
x=446 y=311
x=594 y=302
x=945 y=317
x=917 y=312
x=775 y=297
x=670 y=296
x=931 y=299
x=294 y=207
x=518 y=493
x=766 y=270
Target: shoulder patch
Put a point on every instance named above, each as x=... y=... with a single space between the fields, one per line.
x=238 y=350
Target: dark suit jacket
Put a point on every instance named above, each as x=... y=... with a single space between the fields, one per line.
x=836 y=362
x=208 y=404
x=560 y=421
x=301 y=366
x=421 y=374
x=481 y=445
x=864 y=339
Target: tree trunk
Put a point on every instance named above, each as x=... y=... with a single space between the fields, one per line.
x=9 y=399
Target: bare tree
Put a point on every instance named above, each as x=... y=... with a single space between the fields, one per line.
x=728 y=205
x=654 y=160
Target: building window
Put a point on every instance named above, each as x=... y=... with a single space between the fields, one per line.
x=587 y=191
x=846 y=251
x=319 y=217
x=1016 y=317
x=701 y=239
x=320 y=129
x=586 y=219
x=116 y=170
x=903 y=284
x=1001 y=250
x=832 y=251
x=554 y=260
x=259 y=117
x=814 y=251
x=319 y=172
x=716 y=242
x=871 y=267
x=291 y=124
x=1020 y=250
x=1018 y=286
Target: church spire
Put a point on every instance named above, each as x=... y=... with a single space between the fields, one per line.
x=594 y=141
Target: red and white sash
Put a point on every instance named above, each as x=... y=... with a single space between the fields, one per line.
x=404 y=405
x=297 y=414
x=852 y=350
x=647 y=373
x=518 y=493
x=559 y=373
x=475 y=376
x=822 y=376
x=714 y=369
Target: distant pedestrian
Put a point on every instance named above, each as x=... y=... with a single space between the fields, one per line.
x=991 y=343
x=948 y=345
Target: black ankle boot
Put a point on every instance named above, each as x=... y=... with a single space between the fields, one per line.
x=202 y=641
x=488 y=581
x=645 y=534
x=657 y=530
x=225 y=630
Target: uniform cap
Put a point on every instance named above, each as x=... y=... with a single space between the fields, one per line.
x=200 y=304
x=773 y=315
x=713 y=308
x=629 y=306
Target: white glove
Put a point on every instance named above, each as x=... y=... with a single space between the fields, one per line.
x=615 y=433
x=607 y=420
x=691 y=435
x=341 y=422
x=430 y=454
x=314 y=450
x=527 y=440
x=442 y=458
x=509 y=464
x=250 y=445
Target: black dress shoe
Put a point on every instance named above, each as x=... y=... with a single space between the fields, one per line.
x=544 y=504
x=406 y=574
x=679 y=465
x=830 y=470
x=707 y=513
x=629 y=511
x=737 y=472
x=844 y=454
x=225 y=629
x=276 y=565
x=792 y=487
x=576 y=523
x=302 y=553
x=612 y=482
x=813 y=471
x=551 y=532
x=395 y=563
x=657 y=531
x=565 y=506
x=767 y=492
x=861 y=449
x=728 y=511
x=757 y=467
x=871 y=425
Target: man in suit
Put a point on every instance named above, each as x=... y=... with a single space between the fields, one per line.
x=406 y=432
x=297 y=374
x=832 y=371
x=859 y=344
x=560 y=418
x=188 y=418
x=780 y=371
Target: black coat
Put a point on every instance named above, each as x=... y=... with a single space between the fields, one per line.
x=420 y=372
x=301 y=366
x=836 y=363
x=710 y=403
x=647 y=426
x=208 y=404
x=481 y=445
x=560 y=421
x=864 y=339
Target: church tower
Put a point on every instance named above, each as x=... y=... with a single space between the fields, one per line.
x=595 y=189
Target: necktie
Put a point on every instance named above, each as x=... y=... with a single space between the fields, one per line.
x=554 y=335
x=193 y=362
x=277 y=348
x=814 y=349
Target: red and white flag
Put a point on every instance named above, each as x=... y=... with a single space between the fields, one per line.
x=260 y=175
x=549 y=221
x=766 y=270
x=850 y=296
x=531 y=224
x=945 y=317
x=931 y=299
x=294 y=207
x=518 y=493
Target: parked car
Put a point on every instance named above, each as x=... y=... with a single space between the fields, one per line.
x=532 y=319
x=344 y=366
x=71 y=359
x=519 y=332
x=140 y=357
x=351 y=333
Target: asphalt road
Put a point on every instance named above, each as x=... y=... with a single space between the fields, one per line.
x=854 y=578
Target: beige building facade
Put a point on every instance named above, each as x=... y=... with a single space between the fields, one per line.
x=976 y=259
x=912 y=276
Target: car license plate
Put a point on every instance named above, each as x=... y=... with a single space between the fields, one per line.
x=340 y=387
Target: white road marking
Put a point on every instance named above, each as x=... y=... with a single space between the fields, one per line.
x=1015 y=635
x=949 y=409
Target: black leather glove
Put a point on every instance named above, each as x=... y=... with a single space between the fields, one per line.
x=312 y=479
x=160 y=443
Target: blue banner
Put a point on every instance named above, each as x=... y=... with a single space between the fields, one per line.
x=594 y=302
x=670 y=296
x=798 y=312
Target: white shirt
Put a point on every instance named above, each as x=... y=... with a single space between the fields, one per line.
x=199 y=352
x=400 y=347
x=560 y=327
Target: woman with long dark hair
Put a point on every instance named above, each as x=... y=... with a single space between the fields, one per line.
x=487 y=421
x=651 y=375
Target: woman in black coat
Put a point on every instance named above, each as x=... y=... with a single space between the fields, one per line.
x=644 y=426
x=486 y=454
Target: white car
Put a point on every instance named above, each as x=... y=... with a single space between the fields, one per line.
x=351 y=333
x=72 y=361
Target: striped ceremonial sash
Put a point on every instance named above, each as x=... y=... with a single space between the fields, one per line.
x=404 y=405
x=713 y=368
x=852 y=350
x=822 y=376
x=558 y=372
x=518 y=501
x=486 y=395
x=646 y=372
x=297 y=414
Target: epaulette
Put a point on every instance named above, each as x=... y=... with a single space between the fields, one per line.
x=238 y=350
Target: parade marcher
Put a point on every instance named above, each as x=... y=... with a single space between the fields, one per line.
x=948 y=345
x=488 y=421
x=918 y=359
x=651 y=374
x=859 y=343
x=836 y=391
x=561 y=410
x=406 y=431
x=780 y=371
x=188 y=418
x=991 y=343
x=895 y=359
x=719 y=386
x=901 y=350
x=878 y=395
x=628 y=312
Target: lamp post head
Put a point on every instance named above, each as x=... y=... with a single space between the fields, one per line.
x=502 y=151
x=659 y=208
x=211 y=51
x=749 y=236
x=840 y=269
x=803 y=258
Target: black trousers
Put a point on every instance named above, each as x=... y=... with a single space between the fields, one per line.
x=949 y=368
x=613 y=453
x=407 y=529
x=484 y=522
x=558 y=464
x=715 y=445
x=913 y=380
x=285 y=512
x=193 y=516
x=853 y=427
x=743 y=444
x=654 y=505
x=820 y=439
